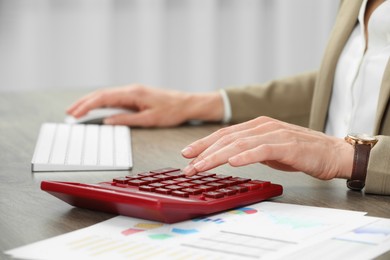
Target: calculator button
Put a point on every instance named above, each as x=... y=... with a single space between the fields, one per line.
x=181 y=179
x=163 y=177
x=239 y=188
x=227 y=192
x=204 y=188
x=165 y=170
x=175 y=174
x=209 y=179
x=121 y=180
x=194 y=177
x=186 y=184
x=217 y=185
x=137 y=182
x=146 y=188
x=179 y=193
x=149 y=179
x=169 y=182
x=157 y=185
x=222 y=177
x=198 y=182
x=240 y=180
x=250 y=186
x=173 y=187
x=146 y=174
x=213 y=194
x=206 y=174
x=229 y=182
x=263 y=184
x=133 y=177
x=163 y=191
x=193 y=191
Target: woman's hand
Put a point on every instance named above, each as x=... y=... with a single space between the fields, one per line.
x=277 y=144
x=154 y=107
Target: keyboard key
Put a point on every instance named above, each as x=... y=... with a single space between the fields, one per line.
x=75 y=150
x=121 y=147
x=91 y=144
x=60 y=145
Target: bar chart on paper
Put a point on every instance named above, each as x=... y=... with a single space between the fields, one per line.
x=264 y=230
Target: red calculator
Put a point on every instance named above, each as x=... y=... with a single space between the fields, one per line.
x=165 y=195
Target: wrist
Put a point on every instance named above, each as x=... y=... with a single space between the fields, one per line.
x=205 y=106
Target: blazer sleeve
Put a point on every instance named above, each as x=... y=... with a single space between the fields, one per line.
x=288 y=99
x=378 y=172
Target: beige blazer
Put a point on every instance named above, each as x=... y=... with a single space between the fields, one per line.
x=304 y=99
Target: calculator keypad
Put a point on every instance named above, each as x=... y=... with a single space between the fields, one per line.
x=202 y=186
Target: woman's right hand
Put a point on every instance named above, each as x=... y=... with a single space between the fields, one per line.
x=153 y=107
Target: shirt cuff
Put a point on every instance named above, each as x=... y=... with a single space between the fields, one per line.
x=227 y=109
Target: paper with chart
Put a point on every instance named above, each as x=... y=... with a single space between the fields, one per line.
x=265 y=230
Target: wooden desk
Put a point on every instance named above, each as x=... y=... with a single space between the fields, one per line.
x=28 y=214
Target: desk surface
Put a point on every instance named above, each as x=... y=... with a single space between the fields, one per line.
x=28 y=215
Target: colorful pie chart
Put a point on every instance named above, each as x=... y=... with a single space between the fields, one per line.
x=243 y=211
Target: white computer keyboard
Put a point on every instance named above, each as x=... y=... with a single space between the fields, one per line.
x=82 y=147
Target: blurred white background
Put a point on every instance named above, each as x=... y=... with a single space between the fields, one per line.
x=193 y=45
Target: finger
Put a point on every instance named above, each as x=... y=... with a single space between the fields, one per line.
x=195 y=148
x=70 y=110
x=223 y=155
x=265 y=128
x=137 y=119
x=107 y=98
x=281 y=153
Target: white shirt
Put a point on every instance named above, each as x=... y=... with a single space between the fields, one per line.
x=359 y=75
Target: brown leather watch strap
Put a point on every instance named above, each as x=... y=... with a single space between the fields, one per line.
x=359 y=169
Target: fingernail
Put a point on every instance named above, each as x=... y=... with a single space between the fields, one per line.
x=189 y=170
x=186 y=151
x=199 y=165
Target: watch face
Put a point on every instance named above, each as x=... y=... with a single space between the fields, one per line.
x=362 y=138
x=365 y=137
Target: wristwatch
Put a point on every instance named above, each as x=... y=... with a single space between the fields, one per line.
x=362 y=144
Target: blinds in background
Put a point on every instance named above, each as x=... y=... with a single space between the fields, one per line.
x=195 y=45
